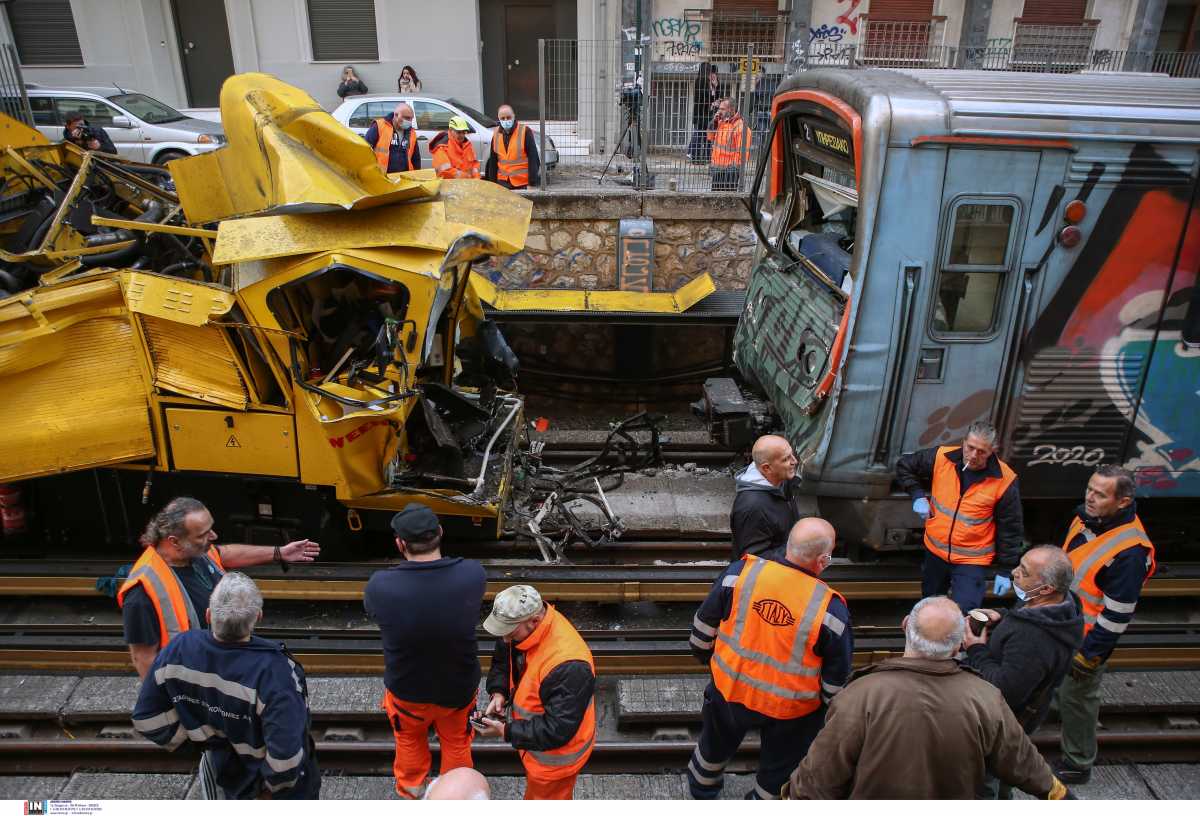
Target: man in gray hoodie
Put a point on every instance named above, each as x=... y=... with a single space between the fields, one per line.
x=763 y=511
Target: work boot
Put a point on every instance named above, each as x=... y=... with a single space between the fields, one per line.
x=1070 y=775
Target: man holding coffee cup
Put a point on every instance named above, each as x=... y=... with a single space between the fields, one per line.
x=1025 y=652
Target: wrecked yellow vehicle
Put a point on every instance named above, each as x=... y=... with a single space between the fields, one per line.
x=277 y=327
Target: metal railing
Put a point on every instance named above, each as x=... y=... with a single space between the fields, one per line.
x=13 y=99
x=896 y=42
x=1052 y=48
x=615 y=125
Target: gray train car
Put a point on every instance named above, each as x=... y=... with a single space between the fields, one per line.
x=939 y=247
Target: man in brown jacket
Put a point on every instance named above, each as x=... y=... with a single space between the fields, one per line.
x=920 y=727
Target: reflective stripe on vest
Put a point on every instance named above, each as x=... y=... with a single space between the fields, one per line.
x=962 y=527
x=166 y=592
x=554 y=642
x=1092 y=556
x=786 y=684
x=383 y=145
x=512 y=165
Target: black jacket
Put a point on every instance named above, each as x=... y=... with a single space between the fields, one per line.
x=762 y=515
x=566 y=693
x=914 y=473
x=1027 y=654
x=92 y=132
x=351 y=87
x=531 y=152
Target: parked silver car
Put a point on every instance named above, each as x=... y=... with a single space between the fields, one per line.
x=141 y=127
x=432 y=115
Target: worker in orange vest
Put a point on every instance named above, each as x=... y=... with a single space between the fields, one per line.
x=778 y=642
x=453 y=155
x=730 y=144
x=971 y=504
x=394 y=141
x=167 y=591
x=514 y=159
x=544 y=672
x=1113 y=560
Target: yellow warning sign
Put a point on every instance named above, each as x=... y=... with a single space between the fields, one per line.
x=233 y=443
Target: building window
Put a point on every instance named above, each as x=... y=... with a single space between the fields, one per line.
x=970 y=281
x=342 y=30
x=44 y=32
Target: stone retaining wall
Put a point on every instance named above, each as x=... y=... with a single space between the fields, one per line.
x=572 y=240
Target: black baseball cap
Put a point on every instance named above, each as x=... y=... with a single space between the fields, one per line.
x=415 y=522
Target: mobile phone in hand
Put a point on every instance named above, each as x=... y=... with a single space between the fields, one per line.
x=476 y=721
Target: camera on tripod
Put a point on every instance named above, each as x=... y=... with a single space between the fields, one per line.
x=631 y=97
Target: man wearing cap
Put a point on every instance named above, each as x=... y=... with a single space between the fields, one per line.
x=452 y=152
x=544 y=669
x=427 y=608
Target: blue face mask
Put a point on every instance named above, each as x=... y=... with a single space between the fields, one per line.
x=1021 y=594
x=508 y=124
x=405 y=124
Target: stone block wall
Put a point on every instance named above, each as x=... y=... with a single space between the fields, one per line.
x=572 y=241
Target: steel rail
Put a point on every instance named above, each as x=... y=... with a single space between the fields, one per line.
x=643 y=585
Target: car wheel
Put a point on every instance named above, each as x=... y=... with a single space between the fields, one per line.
x=169 y=155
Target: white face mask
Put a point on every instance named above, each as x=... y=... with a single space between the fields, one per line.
x=507 y=124
x=405 y=124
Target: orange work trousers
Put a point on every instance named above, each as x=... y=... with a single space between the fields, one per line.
x=410 y=725
x=550 y=788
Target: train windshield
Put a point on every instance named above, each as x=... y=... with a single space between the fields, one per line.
x=807 y=198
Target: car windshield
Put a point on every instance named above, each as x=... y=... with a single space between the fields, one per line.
x=479 y=116
x=150 y=111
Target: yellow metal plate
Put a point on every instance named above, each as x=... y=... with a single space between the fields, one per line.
x=18 y=134
x=75 y=399
x=232 y=442
x=175 y=299
x=284 y=153
x=196 y=361
x=587 y=300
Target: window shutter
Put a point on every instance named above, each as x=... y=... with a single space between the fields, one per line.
x=343 y=30
x=1054 y=12
x=900 y=10
x=765 y=8
x=44 y=32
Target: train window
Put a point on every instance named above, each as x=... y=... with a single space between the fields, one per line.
x=969 y=284
x=980 y=235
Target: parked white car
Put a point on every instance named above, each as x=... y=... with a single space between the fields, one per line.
x=432 y=115
x=141 y=127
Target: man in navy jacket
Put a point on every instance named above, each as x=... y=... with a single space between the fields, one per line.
x=243 y=700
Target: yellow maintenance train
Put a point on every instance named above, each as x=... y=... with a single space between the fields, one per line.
x=277 y=327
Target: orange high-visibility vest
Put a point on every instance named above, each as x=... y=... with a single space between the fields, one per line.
x=551 y=644
x=1092 y=556
x=961 y=528
x=512 y=164
x=727 y=142
x=764 y=655
x=452 y=160
x=383 y=145
x=171 y=602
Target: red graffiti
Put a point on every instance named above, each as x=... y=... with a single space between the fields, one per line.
x=846 y=19
x=361 y=430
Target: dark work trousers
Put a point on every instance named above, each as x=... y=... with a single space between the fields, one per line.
x=726 y=179
x=784 y=744
x=965 y=582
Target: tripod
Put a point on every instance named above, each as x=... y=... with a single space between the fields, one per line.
x=630 y=135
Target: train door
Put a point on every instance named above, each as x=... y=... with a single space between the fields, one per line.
x=962 y=332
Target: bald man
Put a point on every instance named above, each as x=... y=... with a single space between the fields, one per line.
x=513 y=161
x=920 y=727
x=778 y=642
x=763 y=508
x=460 y=783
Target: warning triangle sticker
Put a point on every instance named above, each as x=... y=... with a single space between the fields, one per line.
x=233 y=443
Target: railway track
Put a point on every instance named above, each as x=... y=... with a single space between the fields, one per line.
x=601 y=583
x=100 y=648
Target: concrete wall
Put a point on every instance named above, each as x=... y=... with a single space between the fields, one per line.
x=132 y=43
x=573 y=240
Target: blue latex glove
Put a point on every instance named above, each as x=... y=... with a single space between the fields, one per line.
x=1001 y=585
x=921 y=507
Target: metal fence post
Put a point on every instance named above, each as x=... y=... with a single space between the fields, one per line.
x=745 y=112
x=643 y=159
x=542 y=80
